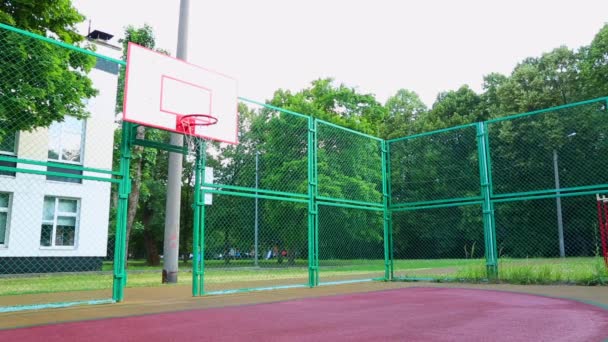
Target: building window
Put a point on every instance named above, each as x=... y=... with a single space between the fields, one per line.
x=59 y=222
x=66 y=140
x=8 y=151
x=65 y=146
x=5 y=203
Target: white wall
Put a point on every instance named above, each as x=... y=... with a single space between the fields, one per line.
x=28 y=190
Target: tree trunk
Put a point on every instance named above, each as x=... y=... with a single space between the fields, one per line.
x=135 y=186
x=152 y=254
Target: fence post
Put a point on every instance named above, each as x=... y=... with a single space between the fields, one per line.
x=387 y=214
x=124 y=189
x=198 y=234
x=485 y=176
x=313 y=208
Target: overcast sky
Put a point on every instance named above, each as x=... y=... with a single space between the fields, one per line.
x=377 y=46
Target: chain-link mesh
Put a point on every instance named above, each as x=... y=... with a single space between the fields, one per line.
x=57 y=201
x=272 y=152
x=349 y=165
x=550 y=241
x=351 y=244
x=57 y=109
x=438 y=243
x=254 y=242
x=562 y=148
x=436 y=166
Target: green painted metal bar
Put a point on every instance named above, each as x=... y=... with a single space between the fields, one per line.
x=546 y=110
x=202 y=232
x=247 y=189
x=17 y=308
x=61 y=44
x=448 y=200
x=244 y=194
x=352 y=281
x=326 y=123
x=317 y=225
x=486 y=139
x=386 y=213
x=161 y=146
x=389 y=187
x=350 y=206
x=426 y=279
x=313 y=211
x=274 y=108
x=254 y=289
x=491 y=250
x=443 y=130
x=55 y=164
x=569 y=194
x=124 y=189
x=500 y=119
x=58 y=174
x=341 y=200
x=551 y=191
x=196 y=229
x=436 y=206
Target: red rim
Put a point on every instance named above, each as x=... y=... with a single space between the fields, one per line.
x=198 y=120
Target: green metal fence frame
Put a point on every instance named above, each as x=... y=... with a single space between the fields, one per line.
x=487 y=198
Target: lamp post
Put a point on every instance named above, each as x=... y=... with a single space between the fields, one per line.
x=558 y=202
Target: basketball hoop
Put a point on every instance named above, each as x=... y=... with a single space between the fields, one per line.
x=186 y=124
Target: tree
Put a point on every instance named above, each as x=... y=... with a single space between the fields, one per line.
x=41 y=83
x=402 y=109
x=594 y=65
x=144 y=171
x=338 y=104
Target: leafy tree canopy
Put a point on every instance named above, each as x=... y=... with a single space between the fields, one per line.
x=41 y=83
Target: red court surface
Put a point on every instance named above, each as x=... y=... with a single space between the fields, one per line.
x=412 y=314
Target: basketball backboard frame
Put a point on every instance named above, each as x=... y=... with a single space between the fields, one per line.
x=160 y=89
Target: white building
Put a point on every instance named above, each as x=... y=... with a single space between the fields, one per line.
x=54 y=224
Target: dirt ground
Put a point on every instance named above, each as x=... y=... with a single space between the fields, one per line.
x=140 y=301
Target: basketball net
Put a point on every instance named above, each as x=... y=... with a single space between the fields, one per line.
x=188 y=126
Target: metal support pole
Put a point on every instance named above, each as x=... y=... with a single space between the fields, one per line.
x=387 y=216
x=489 y=227
x=174 y=177
x=313 y=209
x=256 y=224
x=558 y=202
x=198 y=206
x=124 y=189
x=203 y=160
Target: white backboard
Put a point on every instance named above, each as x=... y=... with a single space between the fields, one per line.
x=159 y=89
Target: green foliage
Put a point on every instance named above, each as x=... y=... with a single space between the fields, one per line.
x=41 y=83
x=57 y=17
x=403 y=109
x=337 y=104
x=143 y=36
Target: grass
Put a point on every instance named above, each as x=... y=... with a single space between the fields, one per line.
x=575 y=271
x=582 y=271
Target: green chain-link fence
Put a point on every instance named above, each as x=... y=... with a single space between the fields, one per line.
x=546 y=168
x=350 y=193
x=298 y=202
x=56 y=149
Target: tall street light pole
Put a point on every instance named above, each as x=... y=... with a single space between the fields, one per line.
x=174 y=181
x=558 y=202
